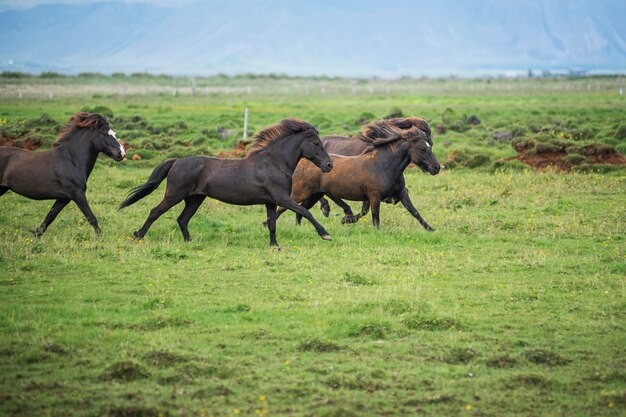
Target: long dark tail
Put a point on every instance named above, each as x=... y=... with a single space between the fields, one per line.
x=157 y=176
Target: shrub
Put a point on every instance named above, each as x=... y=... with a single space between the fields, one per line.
x=575 y=159
x=620 y=132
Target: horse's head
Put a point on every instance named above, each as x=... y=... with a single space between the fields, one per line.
x=102 y=137
x=313 y=150
x=107 y=142
x=421 y=152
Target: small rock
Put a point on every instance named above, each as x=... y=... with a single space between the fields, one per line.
x=473 y=120
x=503 y=136
x=136 y=157
x=224 y=133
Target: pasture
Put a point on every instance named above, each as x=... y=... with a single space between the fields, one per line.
x=514 y=306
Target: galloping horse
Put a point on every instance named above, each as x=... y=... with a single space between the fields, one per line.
x=263 y=177
x=372 y=176
x=362 y=143
x=61 y=173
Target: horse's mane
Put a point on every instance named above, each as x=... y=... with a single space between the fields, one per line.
x=92 y=121
x=408 y=128
x=284 y=128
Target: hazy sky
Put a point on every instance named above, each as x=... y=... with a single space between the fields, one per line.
x=25 y=4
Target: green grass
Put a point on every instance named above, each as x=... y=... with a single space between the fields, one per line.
x=514 y=306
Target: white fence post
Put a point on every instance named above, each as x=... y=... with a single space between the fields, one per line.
x=245 y=124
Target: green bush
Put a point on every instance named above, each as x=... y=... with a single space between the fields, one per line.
x=575 y=159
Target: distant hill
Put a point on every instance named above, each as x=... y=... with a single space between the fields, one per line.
x=330 y=37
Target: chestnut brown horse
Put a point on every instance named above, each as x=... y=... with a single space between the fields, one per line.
x=362 y=143
x=371 y=176
x=263 y=177
x=61 y=173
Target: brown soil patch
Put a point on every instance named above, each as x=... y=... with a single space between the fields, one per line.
x=28 y=144
x=238 y=152
x=556 y=161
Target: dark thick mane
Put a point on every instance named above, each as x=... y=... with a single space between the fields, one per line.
x=408 y=128
x=273 y=133
x=81 y=119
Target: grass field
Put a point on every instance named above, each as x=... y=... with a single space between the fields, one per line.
x=514 y=306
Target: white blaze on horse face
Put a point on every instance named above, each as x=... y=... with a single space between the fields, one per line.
x=427 y=145
x=112 y=133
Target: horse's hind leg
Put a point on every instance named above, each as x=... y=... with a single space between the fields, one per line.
x=52 y=214
x=408 y=204
x=192 y=203
x=167 y=203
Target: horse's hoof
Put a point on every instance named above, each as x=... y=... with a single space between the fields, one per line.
x=137 y=236
x=349 y=220
x=264 y=224
x=327 y=237
x=277 y=248
x=36 y=232
x=430 y=229
x=325 y=212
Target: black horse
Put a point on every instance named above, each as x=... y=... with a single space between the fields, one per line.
x=362 y=143
x=61 y=173
x=263 y=177
x=371 y=176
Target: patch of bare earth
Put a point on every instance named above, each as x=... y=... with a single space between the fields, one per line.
x=555 y=160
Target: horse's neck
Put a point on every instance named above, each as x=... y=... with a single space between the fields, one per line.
x=285 y=153
x=79 y=151
x=393 y=158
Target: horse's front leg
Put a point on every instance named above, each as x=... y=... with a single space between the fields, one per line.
x=271 y=224
x=408 y=204
x=83 y=205
x=307 y=204
x=365 y=208
x=290 y=204
x=325 y=207
x=375 y=206
x=349 y=216
x=52 y=214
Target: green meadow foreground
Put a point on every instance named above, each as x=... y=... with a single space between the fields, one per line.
x=514 y=306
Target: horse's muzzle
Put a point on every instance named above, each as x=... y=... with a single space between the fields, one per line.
x=327 y=167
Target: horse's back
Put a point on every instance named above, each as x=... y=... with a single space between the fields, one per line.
x=343 y=145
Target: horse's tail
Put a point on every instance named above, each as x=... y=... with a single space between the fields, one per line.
x=157 y=176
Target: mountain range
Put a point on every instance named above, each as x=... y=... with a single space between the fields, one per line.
x=322 y=37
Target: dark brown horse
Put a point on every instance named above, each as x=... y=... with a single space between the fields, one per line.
x=263 y=177
x=371 y=176
x=61 y=173
x=361 y=143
